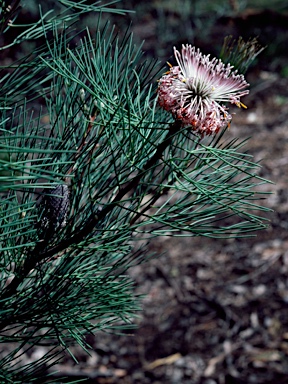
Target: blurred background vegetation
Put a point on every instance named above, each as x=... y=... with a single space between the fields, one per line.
x=165 y=23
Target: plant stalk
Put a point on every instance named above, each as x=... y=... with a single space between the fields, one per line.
x=36 y=256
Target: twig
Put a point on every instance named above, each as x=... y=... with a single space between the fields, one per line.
x=36 y=256
x=174 y=128
x=83 y=142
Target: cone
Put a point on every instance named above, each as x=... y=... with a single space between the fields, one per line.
x=53 y=210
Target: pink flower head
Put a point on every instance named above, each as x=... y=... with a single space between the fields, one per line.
x=195 y=90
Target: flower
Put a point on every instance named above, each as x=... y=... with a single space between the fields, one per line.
x=195 y=90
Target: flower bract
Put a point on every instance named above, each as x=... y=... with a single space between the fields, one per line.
x=197 y=89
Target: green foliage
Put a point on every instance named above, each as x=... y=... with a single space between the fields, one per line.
x=241 y=55
x=63 y=13
x=133 y=173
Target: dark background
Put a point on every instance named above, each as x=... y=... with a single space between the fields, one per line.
x=214 y=311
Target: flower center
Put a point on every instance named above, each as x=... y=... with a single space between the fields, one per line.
x=197 y=90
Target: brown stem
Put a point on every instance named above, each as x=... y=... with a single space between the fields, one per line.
x=83 y=142
x=36 y=257
x=174 y=128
